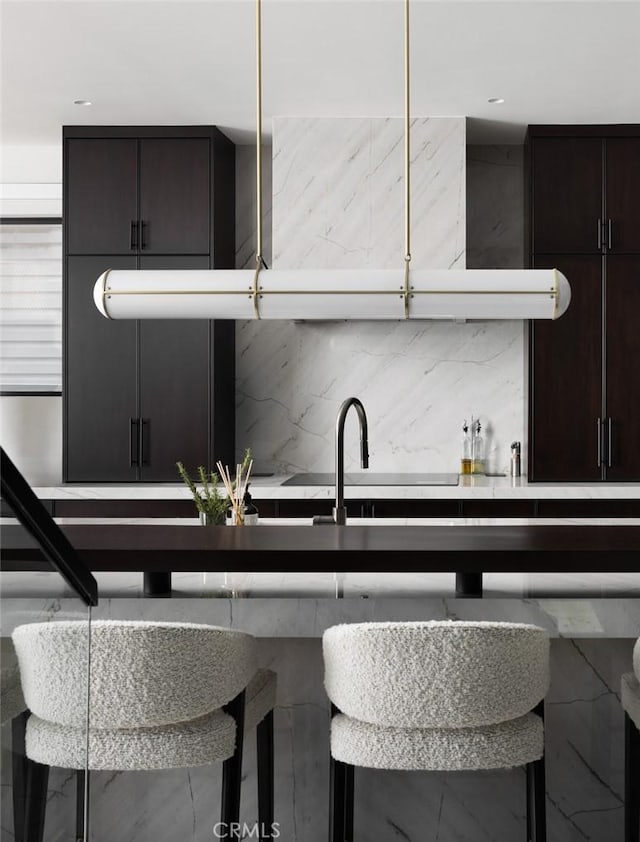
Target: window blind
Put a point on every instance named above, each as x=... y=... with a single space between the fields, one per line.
x=31 y=307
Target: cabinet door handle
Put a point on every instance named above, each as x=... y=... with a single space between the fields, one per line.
x=609 y=227
x=134 y=436
x=133 y=236
x=609 y=444
x=599 y=236
x=143 y=239
x=144 y=441
x=599 y=429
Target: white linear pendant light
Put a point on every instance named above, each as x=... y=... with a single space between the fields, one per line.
x=321 y=294
x=337 y=294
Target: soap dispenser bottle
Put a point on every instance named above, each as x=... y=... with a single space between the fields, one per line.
x=477 y=450
x=465 y=454
x=250 y=511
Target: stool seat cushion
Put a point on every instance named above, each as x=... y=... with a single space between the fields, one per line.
x=199 y=742
x=636 y=659
x=11 y=699
x=142 y=673
x=630 y=696
x=499 y=746
x=438 y=674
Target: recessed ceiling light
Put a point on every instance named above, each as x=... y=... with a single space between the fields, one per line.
x=495 y=100
x=82 y=102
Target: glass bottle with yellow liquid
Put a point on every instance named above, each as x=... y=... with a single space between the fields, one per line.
x=465 y=458
x=477 y=450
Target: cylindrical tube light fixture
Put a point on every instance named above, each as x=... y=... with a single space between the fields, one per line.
x=333 y=294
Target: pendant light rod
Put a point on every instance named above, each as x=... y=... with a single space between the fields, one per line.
x=259 y=255
x=407 y=138
x=407 y=164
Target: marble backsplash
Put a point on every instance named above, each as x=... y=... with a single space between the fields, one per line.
x=338 y=203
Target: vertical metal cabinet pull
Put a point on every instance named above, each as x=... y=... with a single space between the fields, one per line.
x=609 y=445
x=599 y=429
x=133 y=236
x=144 y=441
x=599 y=234
x=134 y=447
x=609 y=226
x=143 y=239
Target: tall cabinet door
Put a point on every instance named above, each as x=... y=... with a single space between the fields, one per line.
x=566 y=373
x=623 y=354
x=175 y=387
x=101 y=195
x=100 y=386
x=567 y=195
x=175 y=184
x=623 y=194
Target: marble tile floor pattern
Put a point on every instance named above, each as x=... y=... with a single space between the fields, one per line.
x=584 y=771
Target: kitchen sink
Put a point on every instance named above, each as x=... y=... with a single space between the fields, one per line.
x=366 y=478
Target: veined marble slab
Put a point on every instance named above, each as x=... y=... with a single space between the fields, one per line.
x=271 y=488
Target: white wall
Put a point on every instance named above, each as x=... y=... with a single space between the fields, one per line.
x=31 y=427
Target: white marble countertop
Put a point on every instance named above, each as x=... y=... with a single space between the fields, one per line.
x=272 y=488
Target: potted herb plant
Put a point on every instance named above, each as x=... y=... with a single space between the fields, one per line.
x=211 y=505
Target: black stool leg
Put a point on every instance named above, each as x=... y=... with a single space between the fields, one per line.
x=264 y=739
x=19 y=765
x=232 y=772
x=349 y=794
x=341 y=782
x=631 y=781
x=337 y=786
x=536 y=795
x=83 y=781
x=36 y=801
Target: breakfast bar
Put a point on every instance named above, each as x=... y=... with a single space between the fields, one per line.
x=372 y=545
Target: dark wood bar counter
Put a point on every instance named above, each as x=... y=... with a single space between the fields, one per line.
x=467 y=551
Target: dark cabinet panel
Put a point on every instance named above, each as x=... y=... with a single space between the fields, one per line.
x=101 y=195
x=623 y=194
x=566 y=378
x=588 y=508
x=499 y=508
x=143 y=197
x=305 y=508
x=175 y=387
x=567 y=195
x=100 y=388
x=416 y=508
x=175 y=183
x=623 y=354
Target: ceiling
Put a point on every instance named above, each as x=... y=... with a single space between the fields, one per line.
x=193 y=61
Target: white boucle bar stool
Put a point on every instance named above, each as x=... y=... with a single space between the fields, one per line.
x=436 y=696
x=630 y=697
x=161 y=696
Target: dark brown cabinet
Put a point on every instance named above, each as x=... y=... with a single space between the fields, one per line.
x=585 y=220
x=142 y=194
x=141 y=395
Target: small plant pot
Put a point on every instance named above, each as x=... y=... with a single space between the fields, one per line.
x=207 y=519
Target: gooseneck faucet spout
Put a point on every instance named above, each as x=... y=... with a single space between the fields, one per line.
x=340 y=510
